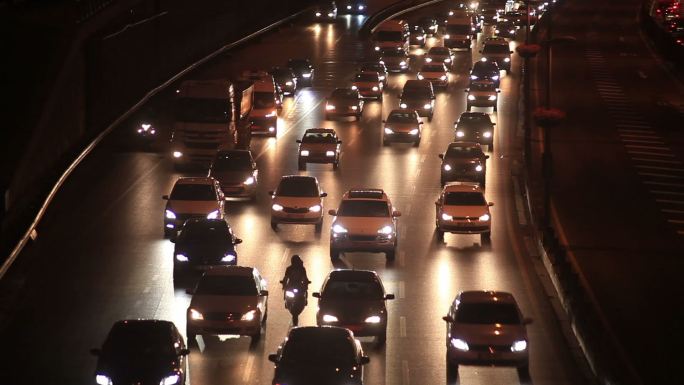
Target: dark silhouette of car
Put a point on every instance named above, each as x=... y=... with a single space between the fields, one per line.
x=236 y=172
x=303 y=70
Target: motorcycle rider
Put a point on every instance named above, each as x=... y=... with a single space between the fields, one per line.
x=295 y=274
x=296 y=280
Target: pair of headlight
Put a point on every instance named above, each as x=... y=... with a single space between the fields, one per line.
x=314 y=208
x=197 y=315
x=482 y=218
x=385 y=230
x=374 y=319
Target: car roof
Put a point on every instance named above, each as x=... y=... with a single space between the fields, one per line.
x=316 y=131
x=354 y=275
x=479 y=296
x=362 y=193
x=309 y=331
x=484 y=64
x=443 y=49
x=230 y=271
x=462 y=187
x=195 y=180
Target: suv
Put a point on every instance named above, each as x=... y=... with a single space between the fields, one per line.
x=368 y=84
x=402 y=126
x=462 y=209
x=142 y=351
x=354 y=299
x=365 y=221
x=298 y=200
x=475 y=127
x=236 y=172
x=499 y=53
x=464 y=161
x=344 y=102
x=482 y=94
x=192 y=198
x=203 y=243
x=228 y=300
x=395 y=59
x=418 y=95
x=319 y=355
x=485 y=70
x=319 y=145
x=486 y=328
x=303 y=70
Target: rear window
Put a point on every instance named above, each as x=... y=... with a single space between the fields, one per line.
x=352 y=290
x=433 y=68
x=464 y=199
x=139 y=340
x=297 y=187
x=402 y=117
x=342 y=93
x=204 y=232
x=496 y=48
x=193 y=192
x=487 y=313
x=226 y=285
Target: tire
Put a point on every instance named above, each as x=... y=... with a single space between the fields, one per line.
x=524 y=372
x=318 y=226
x=416 y=143
x=256 y=337
x=334 y=254
x=490 y=147
x=274 y=226
x=191 y=336
x=467 y=107
x=494 y=108
x=382 y=337
x=380 y=98
x=301 y=166
x=385 y=143
x=451 y=372
x=390 y=255
x=486 y=237
x=442 y=182
x=440 y=235
x=430 y=118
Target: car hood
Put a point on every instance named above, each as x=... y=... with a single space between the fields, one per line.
x=401 y=127
x=430 y=74
x=367 y=84
x=297 y=202
x=460 y=162
x=204 y=250
x=224 y=303
x=137 y=368
x=192 y=207
x=342 y=102
x=482 y=93
x=465 y=211
x=487 y=334
x=312 y=373
x=351 y=309
x=363 y=225
x=232 y=177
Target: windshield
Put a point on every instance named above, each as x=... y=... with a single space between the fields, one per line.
x=394 y=53
x=193 y=192
x=233 y=161
x=439 y=51
x=463 y=152
x=319 y=137
x=226 y=285
x=299 y=65
x=458 y=29
x=474 y=118
x=366 y=78
x=203 y=232
x=318 y=349
x=478 y=86
x=416 y=93
x=464 y=199
x=432 y=68
x=485 y=67
x=487 y=313
x=264 y=100
x=402 y=117
x=390 y=36
x=282 y=74
x=201 y=110
x=496 y=48
x=342 y=93
x=298 y=187
x=139 y=340
x=352 y=290
x=363 y=208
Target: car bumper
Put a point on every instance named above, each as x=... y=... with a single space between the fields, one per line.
x=464 y=227
x=401 y=137
x=296 y=218
x=243 y=328
x=371 y=246
x=480 y=358
x=482 y=103
x=342 y=112
x=455 y=176
x=239 y=191
x=265 y=125
x=369 y=93
x=360 y=329
x=458 y=43
x=190 y=268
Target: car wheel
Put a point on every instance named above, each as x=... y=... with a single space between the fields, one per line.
x=336 y=164
x=191 y=336
x=494 y=108
x=451 y=372
x=274 y=226
x=491 y=146
x=430 y=118
x=442 y=182
x=319 y=226
x=440 y=234
x=385 y=143
x=486 y=237
x=524 y=372
x=467 y=107
x=380 y=97
x=416 y=143
x=302 y=166
x=382 y=337
x=334 y=254
x=390 y=255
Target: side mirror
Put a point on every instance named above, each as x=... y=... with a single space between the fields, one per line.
x=490 y=204
x=396 y=213
x=237 y=241
x=184 y=352
x=486 y=156
x=273 y=358
x=173 y=239
x=527 y=321
x=298 y=140
x=96 y=352
x=421 y=122
x=498 y=90
x=165 y=197
x=190 y=291
x=441 y=156
x=389 y=296
x=448 y=318
x=316 y=294
x=332 y=212
x=324 y=194
x=263 y=293
x=365 y=360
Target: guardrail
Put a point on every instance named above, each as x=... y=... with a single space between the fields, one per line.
x=391 y=12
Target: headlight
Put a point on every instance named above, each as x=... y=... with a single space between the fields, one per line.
x=330 y=153
x=318 y=14
x=271 y=114
x=447 y=167
x=354 y=108
x=315 y=208
x=377 y=48
x=460 y=134
x=145 y=126
x=403 y=105
x=374 y=319
x=427 y=106
x=181 y=258
x=507 y=59
x=170 y=214
x=349 y=7
x=496 y=31
x=478 y=168
x=380 y=61
x=447 y=36
x=419 y=38
x=414 y=131
x=443 y=77
x=471 y=97
x=487 y=134
x=447 y=60
x=170 y=380
x=459 y=344
x=519 y=346
x=361 y=7
x=277 y=207
x=492 y=98
x=304 y=153
x=389 y=130
x=337 y=229
x=177 y=154
x=495 y=77
x=354 y=87
x=330 y=107
x=386 y=230
x=512 y=31
x=428 y=59
x=249 y=181
x=288 y=83
x=213 y=215
x=483 y=59
x=375 y=88
x=228 y=258
x=329 y=318
x=381 y=77
x=250 y=315
x=484 y=218
x=330 y=14
x=447 y=217
x=402 y=63
x=101 y=379
x=420 y=77
x=473 y=77
x=194 y=314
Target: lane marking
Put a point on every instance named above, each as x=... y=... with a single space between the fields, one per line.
x=677 y=221
x=402 y=327
x=643 y=135
x=637 y=129
x=648 y=147
x=666 y=192
x=665 y=184
x=248 y=369
x=643 y=141
x=672 y=211
x=402 y=290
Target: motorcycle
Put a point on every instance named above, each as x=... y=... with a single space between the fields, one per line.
x=296 y=299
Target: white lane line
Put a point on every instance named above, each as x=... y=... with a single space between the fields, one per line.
x=520 y=208
x=402 y=327
x=660 y=175
x=670 y=201
x=290 y=128
x=648 y=147
x=657 y=160
x=405 y=373
x=660 y=168
x=671 y=211
x=665 y=184
x=402 y=290
x=643 y=135
x=666 y=192
x=248 y=369
x=651 y=153
x=402 y=258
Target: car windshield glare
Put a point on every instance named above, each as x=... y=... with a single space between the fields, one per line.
x=363 y=208
x=237 y=161
x=352 y=290
x=138 y=340
x=463 y=152
x=319 y=137
x=298 y=187
x=464 y=199
x=193 y=192
x=318 y=349
x=488 y=313
x=226 y=285
x=402 y=117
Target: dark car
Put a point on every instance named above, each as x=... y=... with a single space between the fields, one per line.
x=375 y=67
x=326 y=11
x=420 y=96
x=285 y=79
x=356 y=7
x=236 y=172
x=319 y=145
x=505 y=29
x=344 y=102
x=464 y=161
x=485 y=70
x=396 y=60
x=418 y=36
x=203 y=243
x=498 y=53
x=354 y=299
x=142 y=352
x=319 y=355
x=429 y=25
x=475 y=127
x=303 y=70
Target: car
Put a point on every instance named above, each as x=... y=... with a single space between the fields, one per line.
x=505 y=29
x=203 y=243
x=436 y=73
x=475 y=127
x=319 y=145
x=228 y=300
x=344 y=102
x=365 y=221
x=192 y=197
x=326 y=11
x=354 y=299
x=429 y=24
x=303 y=70
x=402 y=125
x=237 y=173
x=463 y=161
x=436 y=55
x=486 y=328
x=482 y=94
x=488 y=16
x=357 y=7
x=285 y=79
x=368 y=84
x=264 y=82
x=517 y=18
x=395 y=59
x=266 y=104
x=375 y=67
x=485 y=70
x=462 y=209
x=298 y=199
x=420 y=96
x=498 y=53
x=319 y=355
x=418 y=36
x=138 y=351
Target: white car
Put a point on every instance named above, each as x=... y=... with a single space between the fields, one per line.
x=462 y=209
x=228 y=300
x=486 y=328
x=192 y=198
x=297 y=200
